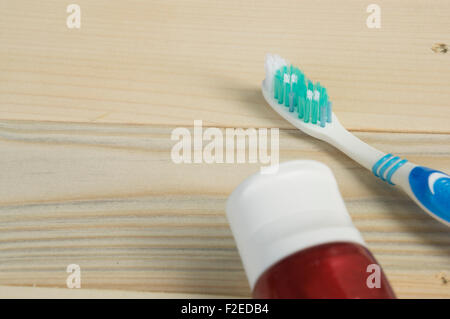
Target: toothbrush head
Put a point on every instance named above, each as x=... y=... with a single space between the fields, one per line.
x=298 y=99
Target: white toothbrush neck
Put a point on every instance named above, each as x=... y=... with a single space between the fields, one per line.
x=353 y=147
x=393 y=169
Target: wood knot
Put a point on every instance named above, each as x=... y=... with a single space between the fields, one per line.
x=443 y=277
x=439 y=48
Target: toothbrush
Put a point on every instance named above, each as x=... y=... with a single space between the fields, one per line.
x=306 y=106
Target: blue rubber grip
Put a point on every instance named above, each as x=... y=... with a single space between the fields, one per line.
x=435 y=197
x=389 y=165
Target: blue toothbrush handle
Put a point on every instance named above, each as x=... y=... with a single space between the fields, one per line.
x=431 y=188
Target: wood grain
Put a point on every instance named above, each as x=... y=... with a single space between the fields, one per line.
x=11 y=292
x=86 y=116
x=108 y=197
x=170 y=62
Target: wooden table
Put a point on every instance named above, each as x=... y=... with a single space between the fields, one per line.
x=86 y=117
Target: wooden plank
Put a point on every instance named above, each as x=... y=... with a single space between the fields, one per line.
x=109 y=198
x=170 y=62
x=11 y=292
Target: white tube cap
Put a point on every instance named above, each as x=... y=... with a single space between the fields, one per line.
x=275 y=215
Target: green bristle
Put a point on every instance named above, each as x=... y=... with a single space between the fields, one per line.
x=295 y=93
x=281 y=92
x=287 y=90
x=298 y=85
x=294 y=87
x=314 y=107
x=315 y=104
x=301 y=107
x=301 y=83
x=322 y=115
x=294 y=90
x=310 y=87
x=287 y=85
x=307 y=110
x=318 y=87
x=308 y=105
x=276 y=85
x=323 y=97
x=324 y=101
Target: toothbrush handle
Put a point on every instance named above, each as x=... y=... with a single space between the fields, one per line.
x=430 y=188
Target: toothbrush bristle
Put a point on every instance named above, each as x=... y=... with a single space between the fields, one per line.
x=289 y=87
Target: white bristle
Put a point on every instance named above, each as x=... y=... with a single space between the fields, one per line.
x=272 y=63
x=294 y=78
x=316 y=95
